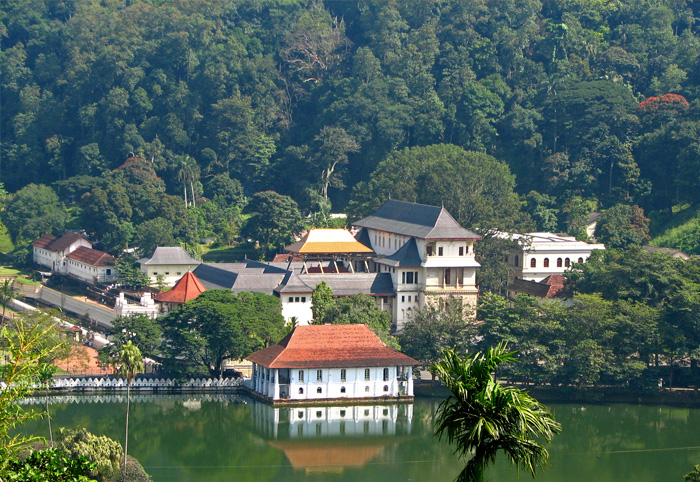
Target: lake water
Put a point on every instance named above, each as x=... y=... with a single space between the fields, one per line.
x=208 y=438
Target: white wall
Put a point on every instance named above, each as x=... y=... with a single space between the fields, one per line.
x=299 y=307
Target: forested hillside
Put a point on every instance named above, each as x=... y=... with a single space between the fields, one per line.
x=570 y=105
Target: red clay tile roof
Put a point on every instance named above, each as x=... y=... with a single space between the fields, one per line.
x=330 y=346
x=92 y=257
x=54 y=244
x=186 y=289
x=45 y=241
x=547 y=288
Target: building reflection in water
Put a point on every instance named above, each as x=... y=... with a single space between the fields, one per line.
x=332 y=438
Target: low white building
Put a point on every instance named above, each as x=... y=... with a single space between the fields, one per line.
x=90 y=265
x=327 y=362
x=51 y=251
x=169 y=262
x=545 y=254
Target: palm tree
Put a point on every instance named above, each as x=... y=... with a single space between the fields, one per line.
x=482 y=416
x=130 y=363
x=7 y=294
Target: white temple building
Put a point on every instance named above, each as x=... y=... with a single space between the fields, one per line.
x=328 y=362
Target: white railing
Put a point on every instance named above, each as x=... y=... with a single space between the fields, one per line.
x=141 y=384
x=135 y=398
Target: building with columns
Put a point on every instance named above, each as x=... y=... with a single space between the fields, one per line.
x=329 y=362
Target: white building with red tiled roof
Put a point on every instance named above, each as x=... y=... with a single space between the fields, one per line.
x=51 y=251
x=328 y=362
x=90 y=265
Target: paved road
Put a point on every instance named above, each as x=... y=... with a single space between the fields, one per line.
x=97 y=313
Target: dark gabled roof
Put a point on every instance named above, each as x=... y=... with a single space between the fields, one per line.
x=168 y=256
x=362 y=236
x=406 y=257
x=293 y=284
x=348 y=284
x=215 y=277
x=416 y=220
x=330 y=346
x=58 y=244
x=550 y=287
x=92 y=257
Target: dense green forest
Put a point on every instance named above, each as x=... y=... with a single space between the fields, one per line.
x=515 y=114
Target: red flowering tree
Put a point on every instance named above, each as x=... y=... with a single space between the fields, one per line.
x=662 y=109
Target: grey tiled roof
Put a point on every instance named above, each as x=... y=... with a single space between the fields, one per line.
x=416 y=220
x=169 y=255
x=362 y=236
x=215 y=277
x=293 y=284
x=407 y=256
x=257 y=282
x=346 y=284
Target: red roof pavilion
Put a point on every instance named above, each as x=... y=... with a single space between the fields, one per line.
x=186 y=289
x=330 y=346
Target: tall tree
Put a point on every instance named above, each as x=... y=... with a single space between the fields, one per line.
x=7 y=294
x=130 y=363
x=274 y=220
x=484 y=417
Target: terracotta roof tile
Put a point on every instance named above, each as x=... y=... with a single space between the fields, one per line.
x=93 y=257
x=187 y=288
x=52 y=243
x=45 y=241
x=330 y=346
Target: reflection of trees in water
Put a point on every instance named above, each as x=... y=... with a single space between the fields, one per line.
x=220 y=435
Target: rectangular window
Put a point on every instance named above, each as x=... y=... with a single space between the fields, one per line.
x=109 y=271
x=319 y=375
x=291 y=299
x=179 y=273
x=409 y=277
x=301 y=376
x=303 y=299
x=403 y=277
x=415 y=277
x=409 y=298
x=296 y=300
x=367 y=374
x=343 y=373
x=386 y=374
x=403 y=298
x=461 y=250
x=429 y=250
x=167 y=272
x=155 y=272
x=440 y=251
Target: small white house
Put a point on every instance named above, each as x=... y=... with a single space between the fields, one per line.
x=329 y=362
x=169 y=262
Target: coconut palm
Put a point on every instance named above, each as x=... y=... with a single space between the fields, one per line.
x=7 y=294
x=484 y=417
x=130 y=363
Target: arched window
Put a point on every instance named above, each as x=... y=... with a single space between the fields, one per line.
x=559 y=263
x=319 y=390
x=301 y=391
x=545 y=263
x=386 y=388
x=533 y=263
x=567 y=262
x=580 y=260
x=342 y=389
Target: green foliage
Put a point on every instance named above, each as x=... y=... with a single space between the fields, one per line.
x=623 y=226
x=142 y=331
x=321 y=299
x=483 y=417
x=102 y=452
x=356 y=309
x=132 y=472
x=693 y=476
x=50 y=465
x=33 y=211
x=438 y=327
x=130 y=273
x=274 y=220
x=218 y=325
x=29 y=342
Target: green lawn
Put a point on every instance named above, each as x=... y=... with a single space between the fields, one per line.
x=230 y=254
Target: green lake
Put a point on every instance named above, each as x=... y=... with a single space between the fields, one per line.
x=207 y=438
